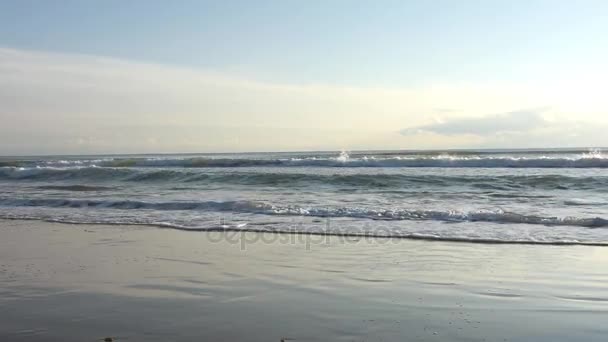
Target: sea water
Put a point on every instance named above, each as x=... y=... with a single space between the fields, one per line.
x=499 y=196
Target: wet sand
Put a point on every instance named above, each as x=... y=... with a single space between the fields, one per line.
x=63 y=282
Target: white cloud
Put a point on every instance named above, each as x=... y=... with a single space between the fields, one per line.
x=518 y=129
x=62 y=103
x=511 y=122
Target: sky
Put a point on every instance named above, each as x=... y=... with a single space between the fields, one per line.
x=79 y=77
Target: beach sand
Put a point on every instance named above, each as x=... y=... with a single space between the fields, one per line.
x=62 y=282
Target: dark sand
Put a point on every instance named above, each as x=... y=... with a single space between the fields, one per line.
x=83 y=283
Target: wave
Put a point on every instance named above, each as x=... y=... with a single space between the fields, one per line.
x=583 y=202
x=294 y=180
x=11 y=163
x=343 y=161
x=75 y=187
x=263 y=208
x=54 y=174
x=548 y=159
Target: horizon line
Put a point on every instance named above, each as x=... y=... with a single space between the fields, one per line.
x=407 y=151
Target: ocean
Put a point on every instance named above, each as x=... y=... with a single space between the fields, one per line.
x=491 y=196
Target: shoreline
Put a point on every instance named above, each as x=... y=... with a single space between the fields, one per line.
x=414 y=237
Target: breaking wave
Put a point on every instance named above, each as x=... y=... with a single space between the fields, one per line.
x=263 y=208
x=370 y=162
x=593 y=159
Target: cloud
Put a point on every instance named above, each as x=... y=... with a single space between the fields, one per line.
x=67 y=103
x=517 y=129
x=511 y=122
